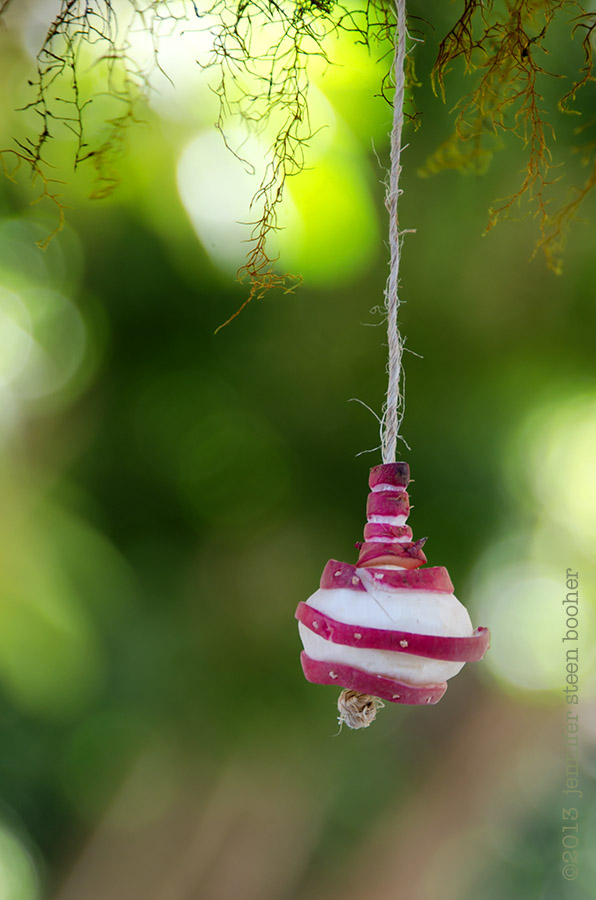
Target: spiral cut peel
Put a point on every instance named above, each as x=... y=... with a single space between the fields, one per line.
x=386 y=628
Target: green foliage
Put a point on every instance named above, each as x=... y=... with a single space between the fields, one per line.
x=261 y=51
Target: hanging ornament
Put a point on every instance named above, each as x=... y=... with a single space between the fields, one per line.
x=385 y=628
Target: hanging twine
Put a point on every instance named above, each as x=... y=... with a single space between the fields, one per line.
x=393 y=409
x=358 y=710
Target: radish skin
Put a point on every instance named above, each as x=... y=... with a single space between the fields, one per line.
x=374 y=531
x=394 y=474
x=374 y=685
x=338 y=574
x=406 y=554
x=404 y=667
x=433 y=646
x=387 y=504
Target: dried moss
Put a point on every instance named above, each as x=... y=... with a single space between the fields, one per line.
x=502 y=45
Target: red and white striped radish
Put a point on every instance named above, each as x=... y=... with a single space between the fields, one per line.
x=385 y=627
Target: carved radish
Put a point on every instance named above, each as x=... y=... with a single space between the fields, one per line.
x=386 y=629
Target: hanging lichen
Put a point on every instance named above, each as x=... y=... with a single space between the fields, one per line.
x=504 y=48
x=260 y=50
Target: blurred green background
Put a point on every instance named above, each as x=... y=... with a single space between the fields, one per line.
x=168 y=496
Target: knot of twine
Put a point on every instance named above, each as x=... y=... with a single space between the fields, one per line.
x=357 y=710
x=393 y=408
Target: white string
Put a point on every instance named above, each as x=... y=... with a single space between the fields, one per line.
x=393 y=409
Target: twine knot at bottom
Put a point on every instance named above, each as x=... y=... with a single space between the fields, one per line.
x=357 y=710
